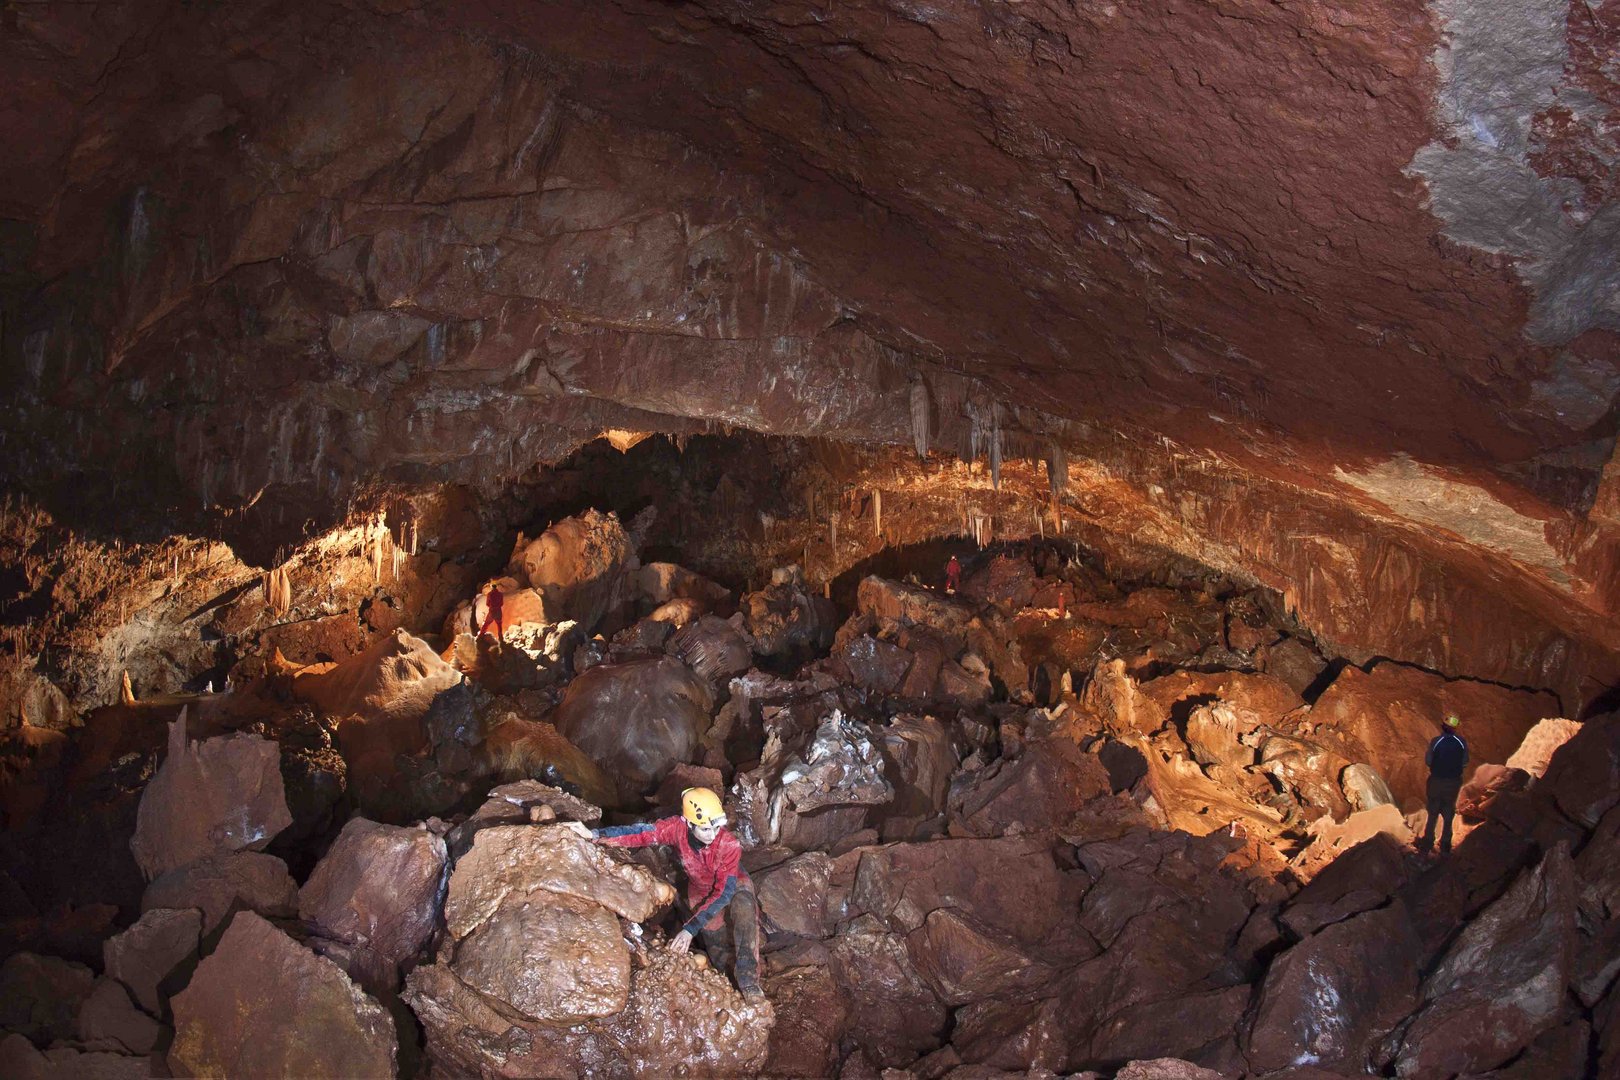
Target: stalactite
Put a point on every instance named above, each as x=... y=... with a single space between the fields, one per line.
x=832 y=532
x=995 y=445
x=126 y=692
x=278 y=591
x=877 y=515
x=1057 y=471
x=920 y=415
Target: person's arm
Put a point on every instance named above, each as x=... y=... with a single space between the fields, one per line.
x=642 y=835
x=1428 y=758
x=1465 y=750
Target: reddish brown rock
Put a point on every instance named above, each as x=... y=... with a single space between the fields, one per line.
x=1360 y=879
x=40 y=996
x=515 y=864
x=1331 y=999
x=376 y=888
x=783 y=618
x=1182 y=1026
x=1488 y=782
x=929 y=654
x=919 y=759
x=1293 y=662
x=209 y=798
x=1213 y=732
x=219 y=885
x=1584 y=774
x=811 y=1014
x=793 y=894
x=1390 y=714
x=1254 y=699
x=576 y=566
x=1165 y=1069
x=556 y=958
x=263 y=1005
x=963 y=961
x=109 y=1021
x=910 y=605
x=145 y=956
x=1007 y=581
x=1041 y=789
x=636 y=719
x=1502 y=982
x=965 y=685
x=893 y=1015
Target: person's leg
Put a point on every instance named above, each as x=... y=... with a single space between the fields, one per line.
x=744 y=921
x=1430 y=806
x=1448 y=809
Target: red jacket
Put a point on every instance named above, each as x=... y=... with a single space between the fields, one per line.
x=714 y=872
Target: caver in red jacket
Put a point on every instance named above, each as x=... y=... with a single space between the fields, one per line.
x=714 y=871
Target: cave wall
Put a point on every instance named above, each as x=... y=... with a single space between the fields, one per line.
x=1244 y=264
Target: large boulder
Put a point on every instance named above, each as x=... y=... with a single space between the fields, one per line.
x=1541 y=743
x=576 y=567
x=893 y=1015
x=815 y=787
x=1362 y=878
x=919 y=760
x=1502 y=982
x=222 y=884
x=793 y=895
x=109 y=1021
x=636 y=720
x=262 y=1005
x=537 y=978
x=714 y=648
x=1330 y=999
x=811 y=1014
x=1040 y=789
x=20 y=1060
x=1583 y=776
x=1386 y=718
x=144 y=957
x=785 y=620
x=209 y=798
x=377 y=890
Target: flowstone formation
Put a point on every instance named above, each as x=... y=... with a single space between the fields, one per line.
x=1052 y=821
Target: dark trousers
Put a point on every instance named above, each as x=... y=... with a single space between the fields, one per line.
x=736 y=938
x=1441 y=796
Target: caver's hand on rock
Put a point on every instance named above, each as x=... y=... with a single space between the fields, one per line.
x=681 y=942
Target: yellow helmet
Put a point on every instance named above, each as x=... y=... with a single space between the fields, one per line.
x=700 y=806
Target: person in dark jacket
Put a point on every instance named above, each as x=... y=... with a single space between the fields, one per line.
x=719 y=893
x=1446 y=759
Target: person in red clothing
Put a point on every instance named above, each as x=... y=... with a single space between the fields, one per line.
x=718 y=889
x=953 y=576
x=492 y=605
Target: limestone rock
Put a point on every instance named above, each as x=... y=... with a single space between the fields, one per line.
x=209 y=798
x=377 y=888
x=1363 y=787
x=919 y=760
x=261 y=1005
x=1502 y=982
x=513 y=863
x=1584 y=774
x=875 y=665
x=636 y=719
x=893 y=1013
x=40 y=996
x=963 y=961
x=811 y=1015
x=1039 y=790
x=218 y=885
x=144 y=957
x=1360 y=879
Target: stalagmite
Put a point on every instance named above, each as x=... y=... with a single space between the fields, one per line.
x=920 y=410
x=1057 y=471
x=877 y=514
x=995 y=445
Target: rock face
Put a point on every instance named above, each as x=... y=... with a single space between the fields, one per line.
x=261 y=1005
x=209 y=798
x=1502 y=983
x=377 y=889
x=40 y=996
x=538 y=978
x=637 y=719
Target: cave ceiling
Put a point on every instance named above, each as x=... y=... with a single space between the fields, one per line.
x=1309 y=267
